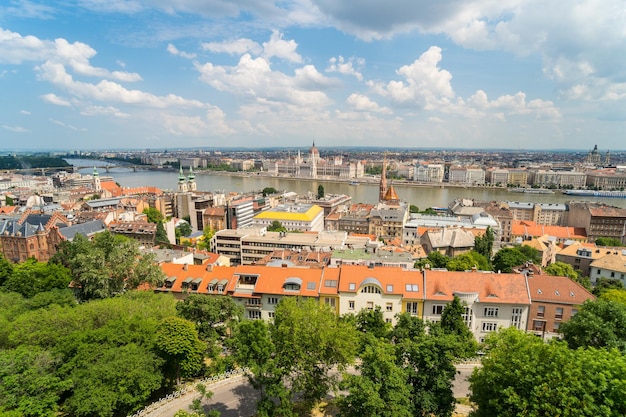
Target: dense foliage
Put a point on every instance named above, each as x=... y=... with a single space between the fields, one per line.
x=31 y=161
x=523 y=376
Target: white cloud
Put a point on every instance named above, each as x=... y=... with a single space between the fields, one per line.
x=56 y=100
x=108 y=91
x=360 y=102
x=15 y=129
x=254 y=78
x=234 y=47
x=91 y=110
x=280 y=48
x=174 y=51
x=25 y=112
x=67 y=126
x=342 y=66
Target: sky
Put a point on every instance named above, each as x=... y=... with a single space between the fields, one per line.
x=170 y=74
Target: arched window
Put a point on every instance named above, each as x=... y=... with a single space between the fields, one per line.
x=370 y=289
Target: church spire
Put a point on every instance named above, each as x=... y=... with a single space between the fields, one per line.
x=382 y=188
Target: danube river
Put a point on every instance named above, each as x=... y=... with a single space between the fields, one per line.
x=423 y=197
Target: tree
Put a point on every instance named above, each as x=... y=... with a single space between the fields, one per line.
x=506 y=258
x=523 y=376
x=160 y=236
x=615 y=295
x=320 y=192
x=608 y=241
x=29 y=383
x=213 y=316
x=293 y=355
x=452 y=323
x=414 y=209
x=484 y=244
x=32 y=277
x=599 y=323
x=468 y=261
x=207 y=234
x=269 y=191
x=108 y=265
x=434 y=259
x=177 y=340
x=531 y=254
x=153 y=215
x=380 y=390
x=604 y=283
x=276 y=226
x=372 y=323
x=183 y=229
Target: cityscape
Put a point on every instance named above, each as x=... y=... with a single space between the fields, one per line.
x=312 y=208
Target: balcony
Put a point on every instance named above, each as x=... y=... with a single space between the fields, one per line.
x=253 y=304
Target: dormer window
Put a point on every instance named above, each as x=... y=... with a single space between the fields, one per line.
x=211 y=286
x=169 y=282
x=292 y=284
x=370 y=289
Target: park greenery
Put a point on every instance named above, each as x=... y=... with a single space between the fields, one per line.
x=78 y=339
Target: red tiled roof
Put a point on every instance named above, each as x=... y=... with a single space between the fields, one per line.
x=561 y=290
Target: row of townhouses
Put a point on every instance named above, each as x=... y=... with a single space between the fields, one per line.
x=536 y=303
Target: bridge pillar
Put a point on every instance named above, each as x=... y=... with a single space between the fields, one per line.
x=134 y=168
x=106 y=168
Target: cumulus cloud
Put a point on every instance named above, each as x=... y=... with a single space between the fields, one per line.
x=56 y=100
x=360 y=102
x=254 y=78
x=278 y=47
x=346 y=67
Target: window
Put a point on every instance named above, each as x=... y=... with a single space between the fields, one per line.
x=489 y=326
x=292 y=287
x=467 y=317
x=555 y=327
x=352 y=286
x=330 y=301
x=541 y=311
x=351 y=305
x=387 y=320
x=516 y=317
x=389 y=306
x=254 y=314
x=574 y=311
x=438 y=309
x=370 y=305
x=491 y=312
x=370 y=289
x=272 y=300
x=389 y=288
x=310 y=285
x=539 y=325
x=331 y=283
x=411 y=287
x=271 y=314
x=412 y=308
x=559 y=313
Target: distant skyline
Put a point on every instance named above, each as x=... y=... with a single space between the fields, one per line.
x=172 y=74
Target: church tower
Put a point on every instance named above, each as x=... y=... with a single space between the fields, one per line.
x=314 y=156
x=191 y=180
x=382 y=187
x=96 y=180
x=182 y=181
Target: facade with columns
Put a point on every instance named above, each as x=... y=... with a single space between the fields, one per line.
x=313 y=166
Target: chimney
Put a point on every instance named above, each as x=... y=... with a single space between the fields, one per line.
x=209 y=267
x=185 y=267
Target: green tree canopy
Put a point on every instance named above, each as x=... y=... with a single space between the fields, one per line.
x=507 y=258
x=177 y=340
x=320 y=192
x=207 y=234
x=108 y=265
x=599 y=323
x=523 y=376
x=32 y=277
x=434 y=260
x=603 y=284
x=468 y=261
x=484 y=244
x=213 y=316
x=153 y=215
x=276 y=226
x=608 y=241
x=269 y=191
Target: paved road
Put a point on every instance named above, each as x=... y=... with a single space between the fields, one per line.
x=237 y=398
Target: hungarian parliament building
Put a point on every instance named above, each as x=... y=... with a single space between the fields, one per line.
x=315 y=167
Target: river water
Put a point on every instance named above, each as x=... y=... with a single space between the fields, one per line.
x=423 y=197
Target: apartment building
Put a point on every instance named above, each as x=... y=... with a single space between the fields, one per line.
x=429 y=173
x=294 y=217
x=599 y=220
x=611 y=265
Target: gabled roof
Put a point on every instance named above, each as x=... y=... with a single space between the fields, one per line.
x=272 y=280
x=489 y=288
x=562 y=290
x=86 y=229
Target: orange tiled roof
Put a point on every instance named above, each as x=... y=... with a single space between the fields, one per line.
x=355 y=276
x=529 y=228
x=271 y=280
x=490 y=288
x=7 y=209
x=561 y=290
x=112 y=188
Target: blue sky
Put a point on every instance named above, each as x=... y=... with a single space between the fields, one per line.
x=114 y=74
